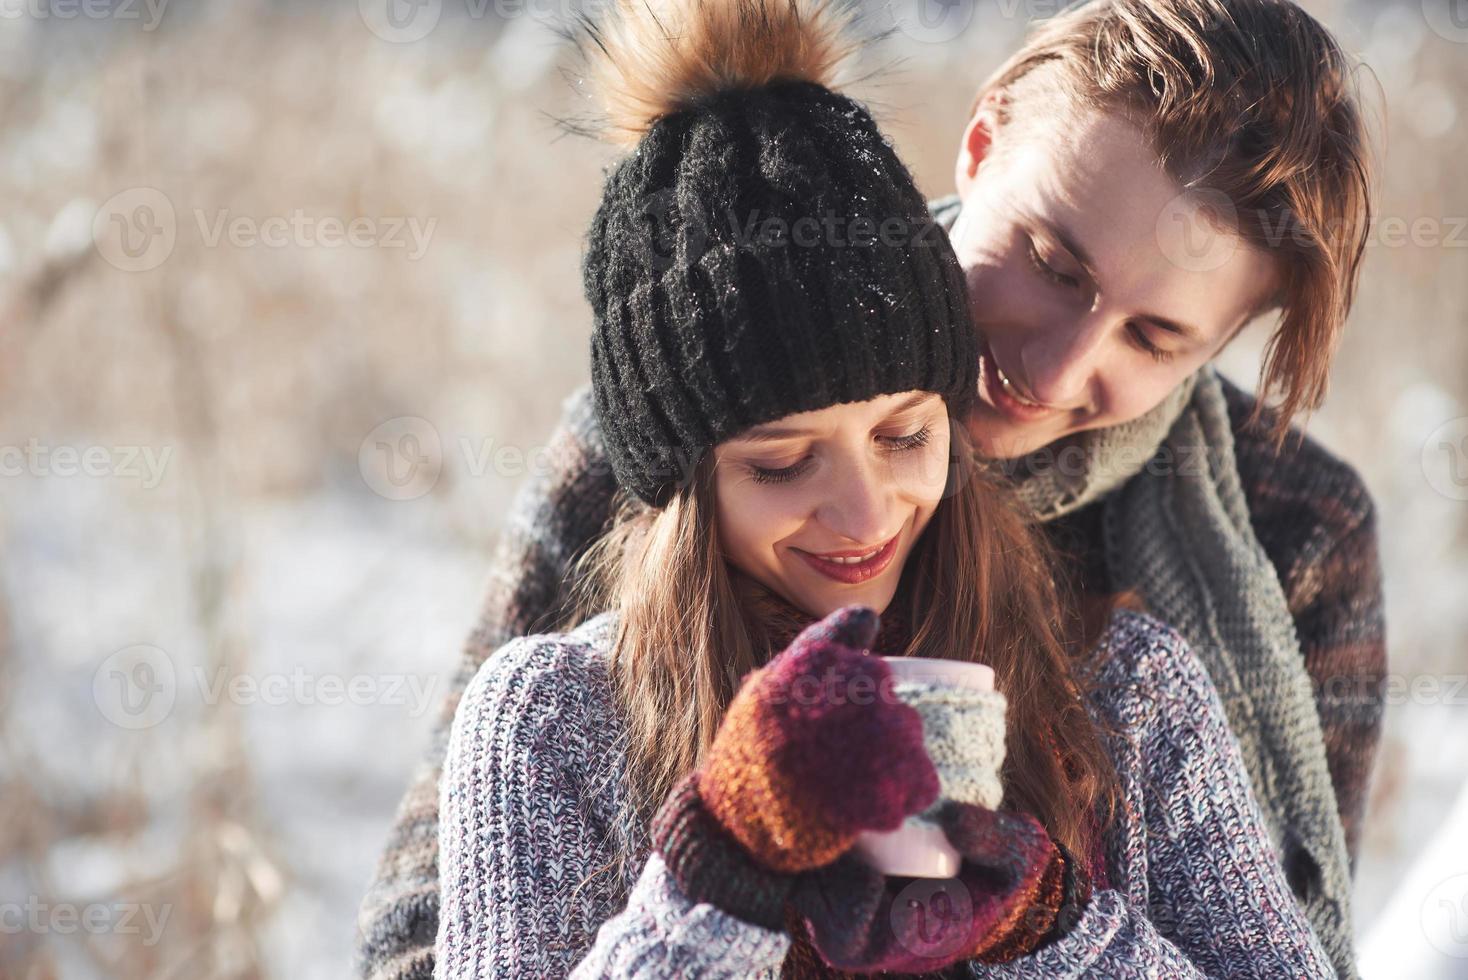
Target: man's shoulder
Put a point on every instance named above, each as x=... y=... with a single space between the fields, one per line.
x=1303 y=499
x=945 y=210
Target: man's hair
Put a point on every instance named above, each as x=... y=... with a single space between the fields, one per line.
x=1252 y=100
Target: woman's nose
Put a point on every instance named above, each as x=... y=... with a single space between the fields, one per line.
x=858 y=506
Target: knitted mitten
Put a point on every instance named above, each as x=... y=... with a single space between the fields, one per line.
x=814 y=749
x=1002 y=903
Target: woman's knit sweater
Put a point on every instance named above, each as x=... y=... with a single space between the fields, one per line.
x=533 y=814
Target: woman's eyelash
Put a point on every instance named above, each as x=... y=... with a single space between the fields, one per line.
x=897 y=444
x=1044 y=268
x=784 y=474
x=915 y=440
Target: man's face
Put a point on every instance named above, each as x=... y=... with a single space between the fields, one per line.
x=1096 y=285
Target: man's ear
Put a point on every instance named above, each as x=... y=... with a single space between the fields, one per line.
x=978 y=138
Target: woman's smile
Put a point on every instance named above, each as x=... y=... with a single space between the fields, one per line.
x=852 y=565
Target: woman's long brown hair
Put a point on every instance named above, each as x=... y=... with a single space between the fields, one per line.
x=979 y=586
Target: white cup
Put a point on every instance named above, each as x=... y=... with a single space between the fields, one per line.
x=919 y=848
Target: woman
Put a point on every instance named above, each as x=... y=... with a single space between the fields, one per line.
x=674 y=787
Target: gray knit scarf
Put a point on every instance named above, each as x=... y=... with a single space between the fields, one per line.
x=1176 y=530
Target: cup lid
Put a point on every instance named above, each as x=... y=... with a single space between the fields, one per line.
x=934 y=670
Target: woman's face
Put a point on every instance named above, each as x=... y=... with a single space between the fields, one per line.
x=824 y=507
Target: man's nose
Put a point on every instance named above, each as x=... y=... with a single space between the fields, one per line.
x=1060 y=362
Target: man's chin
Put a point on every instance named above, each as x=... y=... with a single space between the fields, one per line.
x=996 y=440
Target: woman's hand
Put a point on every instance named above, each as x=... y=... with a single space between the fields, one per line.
x=1002 y=904
x=814 y=749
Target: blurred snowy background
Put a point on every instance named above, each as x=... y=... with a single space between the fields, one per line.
x=289 y=298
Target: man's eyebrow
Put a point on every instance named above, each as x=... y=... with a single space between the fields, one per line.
x=772 y=433
x=1171 y=326
x=1068 y=242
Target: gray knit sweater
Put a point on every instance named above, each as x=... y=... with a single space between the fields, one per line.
x=532 y=805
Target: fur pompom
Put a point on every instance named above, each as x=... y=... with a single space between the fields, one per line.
x=651 y=58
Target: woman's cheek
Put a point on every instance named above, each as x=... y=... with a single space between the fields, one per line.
x=753 y=519
x=922 y=475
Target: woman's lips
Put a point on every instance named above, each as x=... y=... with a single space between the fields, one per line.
x=1003 y=396
x=854 y=566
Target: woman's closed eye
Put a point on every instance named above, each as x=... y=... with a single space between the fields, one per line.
x=911 y=441
x=780 y=474
x=894 y=444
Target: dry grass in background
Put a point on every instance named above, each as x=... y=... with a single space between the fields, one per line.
x=270 y=555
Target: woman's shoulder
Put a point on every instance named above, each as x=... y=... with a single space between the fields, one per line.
x=1143 y=667
x=544 y=679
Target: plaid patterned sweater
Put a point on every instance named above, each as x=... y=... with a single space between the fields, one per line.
x=533 y=802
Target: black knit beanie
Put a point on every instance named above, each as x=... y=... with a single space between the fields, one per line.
x=761 y=252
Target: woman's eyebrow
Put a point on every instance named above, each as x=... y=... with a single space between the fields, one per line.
x=911 y=402
x=771 y=434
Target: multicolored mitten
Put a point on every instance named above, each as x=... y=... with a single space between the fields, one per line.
x=814 y=749
x=1002 y=903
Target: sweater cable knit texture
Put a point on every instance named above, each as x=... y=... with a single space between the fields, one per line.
x=532 y=805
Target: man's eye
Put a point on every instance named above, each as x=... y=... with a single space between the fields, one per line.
x=1156 y=353
x=1048 y=271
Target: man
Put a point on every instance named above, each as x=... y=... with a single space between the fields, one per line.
x=1136 y=184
